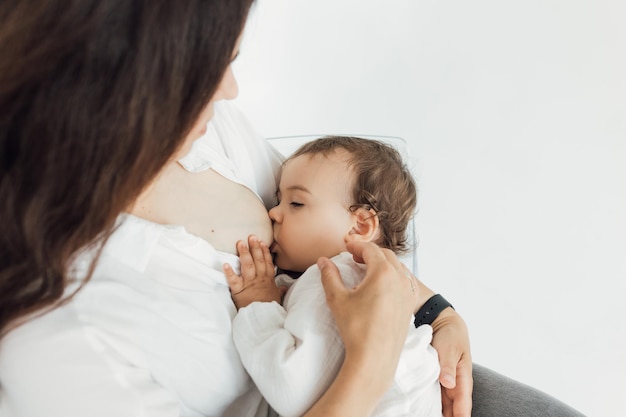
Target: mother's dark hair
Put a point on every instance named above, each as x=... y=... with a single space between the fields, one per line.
x=95 y=97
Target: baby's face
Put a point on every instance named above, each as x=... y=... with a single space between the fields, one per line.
x=312 y=217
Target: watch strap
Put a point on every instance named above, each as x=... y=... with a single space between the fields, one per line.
x=431 y=309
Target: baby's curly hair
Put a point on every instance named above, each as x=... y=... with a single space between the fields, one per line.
x=382 y=182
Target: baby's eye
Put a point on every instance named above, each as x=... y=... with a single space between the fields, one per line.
x=296 y=204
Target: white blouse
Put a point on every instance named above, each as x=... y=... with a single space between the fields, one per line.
x=150 y=334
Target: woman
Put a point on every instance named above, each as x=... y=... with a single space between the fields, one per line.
x=99 y=100
x=106 y=308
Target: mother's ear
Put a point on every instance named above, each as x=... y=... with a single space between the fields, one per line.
x=366 y=226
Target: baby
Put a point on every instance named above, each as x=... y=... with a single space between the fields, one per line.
x=332 y=191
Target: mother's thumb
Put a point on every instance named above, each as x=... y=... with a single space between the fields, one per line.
x=447 y=375
x=331 y=279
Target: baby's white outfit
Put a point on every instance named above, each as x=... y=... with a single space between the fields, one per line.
x=293 y=353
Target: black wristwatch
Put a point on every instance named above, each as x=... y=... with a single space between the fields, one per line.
x=431 y=309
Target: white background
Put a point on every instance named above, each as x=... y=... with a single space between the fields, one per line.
x=515 y=115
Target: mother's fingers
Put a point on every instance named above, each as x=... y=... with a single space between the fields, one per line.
x=374 y=317
x=364 y=252
x=383 y=266
x=331 y=280
x=371 y=254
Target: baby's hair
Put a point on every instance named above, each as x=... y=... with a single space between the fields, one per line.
x=382 y=182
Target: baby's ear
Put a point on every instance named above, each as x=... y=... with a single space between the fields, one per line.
x=366 y=226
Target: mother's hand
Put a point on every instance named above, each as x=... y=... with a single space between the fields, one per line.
x=451 y=340
x=450 y=336
x=373 y=320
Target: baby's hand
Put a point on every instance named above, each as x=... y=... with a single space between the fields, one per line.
x=256 y=282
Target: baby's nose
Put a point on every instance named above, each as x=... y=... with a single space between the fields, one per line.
x=274 y=214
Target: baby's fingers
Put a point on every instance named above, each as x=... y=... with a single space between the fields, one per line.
x=235 y=282
x=269 y=262
x=262 y=257
x=257 y=254
x=248 y=269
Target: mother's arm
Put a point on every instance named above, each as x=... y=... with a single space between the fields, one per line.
x=368 y=319
x=372 y=323
x=451 y=340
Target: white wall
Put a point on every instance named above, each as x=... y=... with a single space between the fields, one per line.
x=515 y=114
